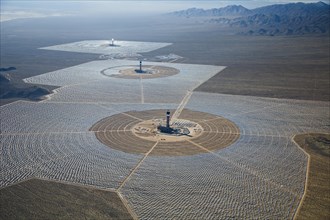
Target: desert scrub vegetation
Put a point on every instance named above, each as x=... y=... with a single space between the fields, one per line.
x=316 y=203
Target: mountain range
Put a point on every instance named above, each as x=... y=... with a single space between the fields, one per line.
x=12 y=90
x=279 y=19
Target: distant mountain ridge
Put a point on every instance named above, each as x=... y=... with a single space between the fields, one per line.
x=294 y=9
x=230 y=10
x=279 y=19
x=9 y=90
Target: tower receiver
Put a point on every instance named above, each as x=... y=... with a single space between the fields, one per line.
x=112 y=42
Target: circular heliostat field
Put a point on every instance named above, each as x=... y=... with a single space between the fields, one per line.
x=140 y=132
x=133 y=72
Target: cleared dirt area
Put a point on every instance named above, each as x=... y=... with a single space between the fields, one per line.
x=148 y=72
x=309 y=82
x=276 y=67
x=41 y=199
x=123 y=132
x=316 y=203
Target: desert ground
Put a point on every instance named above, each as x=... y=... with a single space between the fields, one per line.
x=250 y=95
x=315 y=200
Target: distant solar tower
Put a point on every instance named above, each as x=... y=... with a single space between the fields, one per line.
x=112 y=42
x=168 y=115
x=140 y=66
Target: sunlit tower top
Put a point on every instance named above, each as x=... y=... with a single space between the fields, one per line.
x=112 y=42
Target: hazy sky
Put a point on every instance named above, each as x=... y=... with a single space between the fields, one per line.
x=59 y=7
